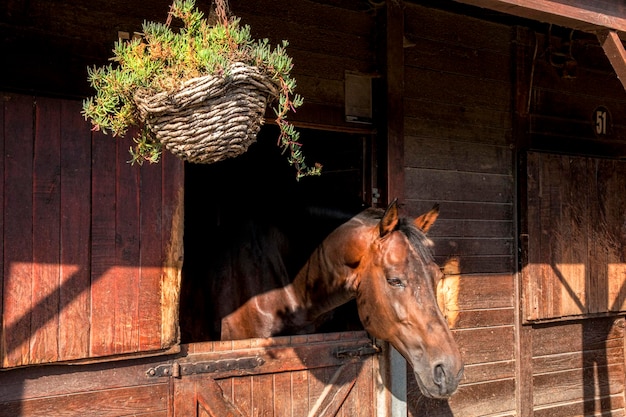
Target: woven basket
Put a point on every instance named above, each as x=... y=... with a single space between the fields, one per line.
x=210 y=118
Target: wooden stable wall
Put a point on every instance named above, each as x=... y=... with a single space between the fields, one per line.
x=457 y=133
x=92 y=245
x=479 y=95
x=564 y=78
x=326 y=38
x=579 y=266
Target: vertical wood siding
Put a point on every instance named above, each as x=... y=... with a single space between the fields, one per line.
x=85 y=237
x=576 y=237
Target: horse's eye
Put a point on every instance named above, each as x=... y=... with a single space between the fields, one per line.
x=395 y=282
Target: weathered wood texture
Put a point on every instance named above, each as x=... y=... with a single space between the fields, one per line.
x=575 y=257
x=326 y=38
x=301 y=376
x=563 y=99
x=578 y=368
x=568 y=204
x=297 y=376
x=458 y=154
x=458 y=135
x=87 y=239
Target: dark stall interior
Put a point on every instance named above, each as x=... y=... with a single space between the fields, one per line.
x=249 y=214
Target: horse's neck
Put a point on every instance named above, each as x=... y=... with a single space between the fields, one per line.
x=325 y=282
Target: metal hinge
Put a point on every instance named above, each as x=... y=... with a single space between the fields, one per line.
x=358 y=351
x=177 y=369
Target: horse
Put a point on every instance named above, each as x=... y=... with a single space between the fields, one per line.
x=378 y=258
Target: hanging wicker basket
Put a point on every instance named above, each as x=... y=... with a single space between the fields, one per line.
x=210 y=118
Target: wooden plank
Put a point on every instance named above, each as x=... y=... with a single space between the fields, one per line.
x=184 y=397
x=570 y=109
x=103 y=289
x=453 y=245
x=113 y=403
x=395 y=90
x=485 y=292
x=435 y=49
x=343 y=18
x=464 y=186
x=454 y=89
x=460 y=210
x=264 y=394
x=485 y=345
x=242 y=394
x=579 y=359
x=127 y=261
x=172 y=227
x=283 y=394
x=300 y=393
x=44 y=343
x=424 y=152
x=432 y=126
x=487 y=372
x=614 y=405
x=484 y=318
x=61 y=380
x=4 y=100
x=75 y=314
x=18 y=229
x=150 y=255
x=600 y=333
x=317 y=381
x=574 y=384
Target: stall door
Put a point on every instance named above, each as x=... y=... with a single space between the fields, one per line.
x=92 y=244
x=317 y=375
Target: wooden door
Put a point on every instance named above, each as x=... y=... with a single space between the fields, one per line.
x=92 y=244
x=319 y=375
x=316 y=375
x=575 y=254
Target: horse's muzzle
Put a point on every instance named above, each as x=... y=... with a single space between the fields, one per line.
x=446 y=380
x=442 y=381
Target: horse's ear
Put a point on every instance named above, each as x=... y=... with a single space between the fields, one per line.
x=390 y=219
x=426 y=220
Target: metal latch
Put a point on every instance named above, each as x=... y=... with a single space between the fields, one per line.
x=177 y=369
x=358 y=351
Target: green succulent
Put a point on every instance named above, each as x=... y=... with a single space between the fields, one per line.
x=161 y=59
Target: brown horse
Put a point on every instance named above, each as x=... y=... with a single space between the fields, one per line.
x=378 y=258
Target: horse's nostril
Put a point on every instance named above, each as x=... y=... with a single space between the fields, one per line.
x=439 y=375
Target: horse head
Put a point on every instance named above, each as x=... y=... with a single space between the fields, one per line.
x=395 y=279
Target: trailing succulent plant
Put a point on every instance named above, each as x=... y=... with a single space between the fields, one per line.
x=161 y=60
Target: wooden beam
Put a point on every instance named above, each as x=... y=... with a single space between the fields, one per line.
x=395 y=100
x=584 y=15
x=614 y=50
